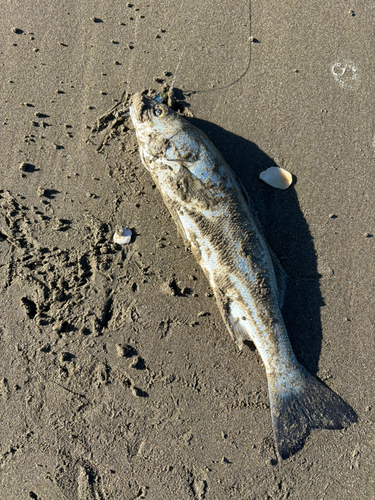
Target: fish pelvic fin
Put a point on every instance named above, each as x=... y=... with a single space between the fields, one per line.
x=299 y=403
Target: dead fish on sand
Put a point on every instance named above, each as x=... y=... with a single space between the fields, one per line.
x=209 y=208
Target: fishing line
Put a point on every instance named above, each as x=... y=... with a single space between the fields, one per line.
x=250 y=40
x=176 y=70
x=183 y=50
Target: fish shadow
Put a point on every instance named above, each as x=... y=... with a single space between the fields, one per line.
x=288 y=235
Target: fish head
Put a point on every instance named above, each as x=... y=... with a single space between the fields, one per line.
x=146 y=111
x=162 y=134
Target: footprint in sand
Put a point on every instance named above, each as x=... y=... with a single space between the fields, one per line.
x=346 y=74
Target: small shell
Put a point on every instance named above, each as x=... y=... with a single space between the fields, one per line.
x=124 y=238
x=276 y=177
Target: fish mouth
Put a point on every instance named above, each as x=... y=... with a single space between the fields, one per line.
x=139 y=105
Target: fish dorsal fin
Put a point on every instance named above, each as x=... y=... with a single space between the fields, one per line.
x=282 y=278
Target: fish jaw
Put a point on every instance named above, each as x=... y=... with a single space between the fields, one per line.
x=137 y=109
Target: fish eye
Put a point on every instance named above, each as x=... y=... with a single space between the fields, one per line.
x=159 y=110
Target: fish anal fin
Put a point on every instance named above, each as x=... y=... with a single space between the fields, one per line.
x=239 y=330
x=232 y=318
x=239 y=334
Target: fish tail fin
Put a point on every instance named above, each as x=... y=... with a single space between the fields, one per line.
x=299 y=403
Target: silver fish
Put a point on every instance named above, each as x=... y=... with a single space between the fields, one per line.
x=214 y=218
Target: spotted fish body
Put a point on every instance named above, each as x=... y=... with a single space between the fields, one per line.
x=214 y=218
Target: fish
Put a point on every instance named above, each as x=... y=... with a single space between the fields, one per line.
x=217 y=221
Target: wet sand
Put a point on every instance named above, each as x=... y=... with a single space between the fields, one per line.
x=118 y=378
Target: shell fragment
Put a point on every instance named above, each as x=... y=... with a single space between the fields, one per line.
x=122 y=236
x=276 y=177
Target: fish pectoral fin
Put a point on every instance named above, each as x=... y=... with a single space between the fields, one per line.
x=192 y=189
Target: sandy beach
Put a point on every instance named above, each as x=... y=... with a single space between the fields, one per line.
x=118 y=377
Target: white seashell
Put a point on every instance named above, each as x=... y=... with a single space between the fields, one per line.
x=276 y=177
x=124 y=238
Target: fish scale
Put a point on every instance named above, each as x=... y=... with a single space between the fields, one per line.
x=214 y=218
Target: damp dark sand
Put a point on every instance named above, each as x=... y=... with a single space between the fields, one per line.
x=118 y=378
